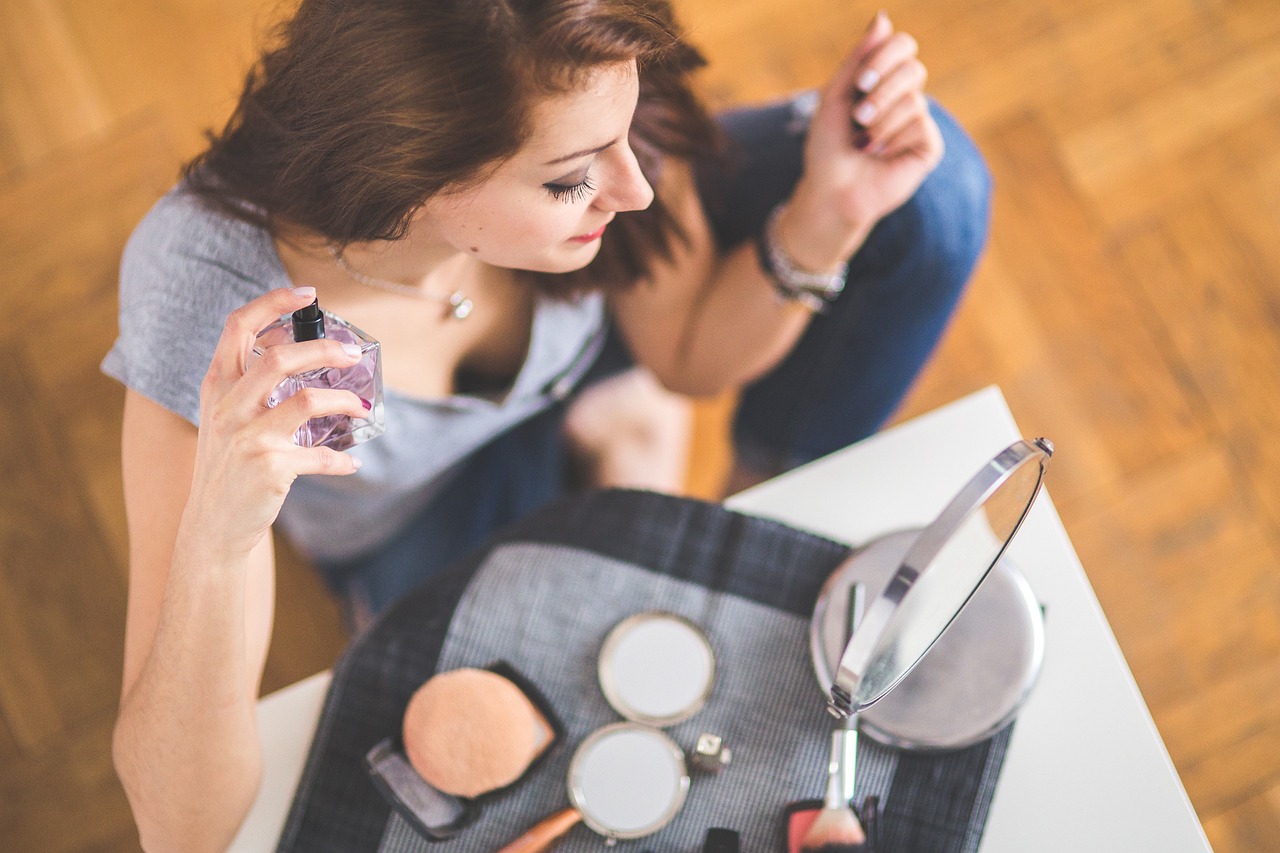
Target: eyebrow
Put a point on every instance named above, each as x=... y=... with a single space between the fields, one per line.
x=575 y=155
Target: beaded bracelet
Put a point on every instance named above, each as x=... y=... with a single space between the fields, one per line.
x=791 y=283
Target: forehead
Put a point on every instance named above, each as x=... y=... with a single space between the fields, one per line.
x=593 y=113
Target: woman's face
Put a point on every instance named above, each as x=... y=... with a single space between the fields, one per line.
x=547 y=207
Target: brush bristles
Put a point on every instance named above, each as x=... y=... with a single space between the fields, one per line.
x=834 y=831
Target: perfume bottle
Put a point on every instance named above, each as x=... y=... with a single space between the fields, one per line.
x=364 y=378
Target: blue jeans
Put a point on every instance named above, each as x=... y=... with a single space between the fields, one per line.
x=841 y=382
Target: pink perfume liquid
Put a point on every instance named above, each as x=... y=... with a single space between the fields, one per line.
x=364 y=378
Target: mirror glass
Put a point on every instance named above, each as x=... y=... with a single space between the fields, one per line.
x=656 y=668
x=628 y=780
x=938 y=575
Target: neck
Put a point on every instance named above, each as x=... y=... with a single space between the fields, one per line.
x=430 y=266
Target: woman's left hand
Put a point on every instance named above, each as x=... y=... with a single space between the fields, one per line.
x=871 y=144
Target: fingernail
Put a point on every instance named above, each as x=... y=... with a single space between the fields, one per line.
x=351 y=350
x=865 y=112
x=304 y=292
x=367 y=405
x=868 y=80
x=355 y=462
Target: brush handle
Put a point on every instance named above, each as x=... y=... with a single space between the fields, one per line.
x=544 y=834
x=835 y=798
x=848 y=772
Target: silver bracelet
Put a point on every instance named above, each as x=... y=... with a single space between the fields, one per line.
x=814 y=291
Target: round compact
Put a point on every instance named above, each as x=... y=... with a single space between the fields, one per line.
x=656 y=668
x=628 y=780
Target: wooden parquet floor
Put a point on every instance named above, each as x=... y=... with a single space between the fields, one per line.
x=1129 y=307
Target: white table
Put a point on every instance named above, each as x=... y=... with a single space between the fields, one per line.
x=1086 y=769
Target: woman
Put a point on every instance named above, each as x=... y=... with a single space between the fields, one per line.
x=548 y=161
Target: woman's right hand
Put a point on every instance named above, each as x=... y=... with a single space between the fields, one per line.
x=246 y=457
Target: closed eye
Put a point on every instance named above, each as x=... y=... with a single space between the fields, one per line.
x=571 y=193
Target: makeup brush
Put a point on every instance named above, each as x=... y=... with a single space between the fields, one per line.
x=836 y=828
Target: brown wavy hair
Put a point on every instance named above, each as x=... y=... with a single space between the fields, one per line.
x=363 y=109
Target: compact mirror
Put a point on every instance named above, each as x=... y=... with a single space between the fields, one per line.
x=656 y=668
x=626 y=780
x=940 y=572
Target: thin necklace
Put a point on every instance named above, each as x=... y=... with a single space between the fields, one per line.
x=457 y=304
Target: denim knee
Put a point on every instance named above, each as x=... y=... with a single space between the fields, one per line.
x=945 y=224
x=852 y=367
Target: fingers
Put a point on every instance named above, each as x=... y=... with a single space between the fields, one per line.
x=911 y=109
x=883 y=61
x=230 y=357
x=845 y=82
x=325 y=460
x=267 y=371
x=902 y=85
x=917 y=133
x=310 y=403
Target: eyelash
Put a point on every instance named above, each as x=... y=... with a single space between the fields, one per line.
x=571 y=193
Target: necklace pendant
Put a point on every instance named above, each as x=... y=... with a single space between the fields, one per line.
x=459 y=305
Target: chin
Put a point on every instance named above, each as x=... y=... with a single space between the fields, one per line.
x=564 y=262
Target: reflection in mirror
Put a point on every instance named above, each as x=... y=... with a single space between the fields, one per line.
x=656 y=668
x=947 y=582
x=938 y=576
x=628 y=780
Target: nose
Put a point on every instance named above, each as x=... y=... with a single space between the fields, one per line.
x=626 y=187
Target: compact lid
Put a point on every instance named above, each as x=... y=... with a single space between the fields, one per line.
x=938 y=575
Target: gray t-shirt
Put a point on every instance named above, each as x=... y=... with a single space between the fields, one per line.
x=186 y=267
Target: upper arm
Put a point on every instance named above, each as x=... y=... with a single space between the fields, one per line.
x=158 y=456
x=657 y=315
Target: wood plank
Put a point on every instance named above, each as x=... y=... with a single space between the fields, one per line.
x=1186 y=116
x=997 y=338
x=1251 y=825
x=64 y=223
x=61 y=599
x=1068 y=68
x=1184 y=565
x=65 y=228
x=309 y=634
x=711 y=446
x=67 y=799
x=48 y=99
x=1194 y=264
x=192 y=72
x=1100 y=336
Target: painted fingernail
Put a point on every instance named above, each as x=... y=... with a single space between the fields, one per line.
x=367 y=405
x=304 y=292
x=868 y=80
x=351 y=350
x=865 y=112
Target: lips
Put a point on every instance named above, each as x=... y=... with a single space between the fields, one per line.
x=590 y=238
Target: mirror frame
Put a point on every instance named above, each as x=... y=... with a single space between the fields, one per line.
x=865 y=644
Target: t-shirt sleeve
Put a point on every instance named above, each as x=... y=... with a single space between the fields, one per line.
x=184 y=269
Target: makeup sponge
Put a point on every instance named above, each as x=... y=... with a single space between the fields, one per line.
x=470 y=731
